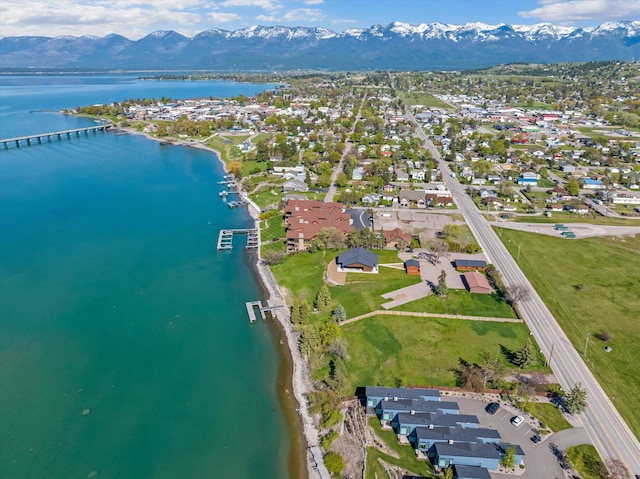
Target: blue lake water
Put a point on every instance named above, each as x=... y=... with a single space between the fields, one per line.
x=125 y=346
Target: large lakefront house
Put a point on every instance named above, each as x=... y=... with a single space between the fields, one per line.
x=304 y=218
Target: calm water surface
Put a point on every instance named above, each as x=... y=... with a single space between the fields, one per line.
x=124 y=343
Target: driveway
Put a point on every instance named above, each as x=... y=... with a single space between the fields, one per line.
x=539 y=459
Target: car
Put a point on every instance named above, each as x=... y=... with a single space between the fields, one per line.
x=517 y=420
x=492 y=407
x=536 y=438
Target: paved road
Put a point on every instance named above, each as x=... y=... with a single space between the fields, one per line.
x=604 y=425
x=348 y=149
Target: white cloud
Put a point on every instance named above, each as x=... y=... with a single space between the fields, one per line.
x=224 y=17
x=580 y=10
x=295 y=15
x=268 y=5
x=73 y=17
x=314 y=2
x=339 y=21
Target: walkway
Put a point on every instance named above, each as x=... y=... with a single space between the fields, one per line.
x=382 y=312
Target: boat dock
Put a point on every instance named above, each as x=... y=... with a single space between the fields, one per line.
x=251 y=311
x=225 y=238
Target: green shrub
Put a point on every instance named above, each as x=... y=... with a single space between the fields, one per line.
x=334 y=463
x=328 y=439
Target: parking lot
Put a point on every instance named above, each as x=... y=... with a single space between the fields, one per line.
x=539 y=460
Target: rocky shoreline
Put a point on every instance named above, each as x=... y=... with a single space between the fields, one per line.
x=300 y=378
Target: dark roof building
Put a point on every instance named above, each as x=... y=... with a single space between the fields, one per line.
x=358 y=260
x=412 y=267
x=470 y=472
x=470 y=264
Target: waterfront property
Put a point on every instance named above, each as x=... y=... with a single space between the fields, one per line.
x=305 y=218
x=357 y=260
x=437 y=431
x=225 y=238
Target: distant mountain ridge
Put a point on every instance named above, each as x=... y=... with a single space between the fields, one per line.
x=396 y=46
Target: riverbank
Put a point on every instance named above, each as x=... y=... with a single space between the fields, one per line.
x=299 y=381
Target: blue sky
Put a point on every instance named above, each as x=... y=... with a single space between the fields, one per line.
x=136 y=18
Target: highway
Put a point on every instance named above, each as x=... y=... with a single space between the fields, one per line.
x=608 y=431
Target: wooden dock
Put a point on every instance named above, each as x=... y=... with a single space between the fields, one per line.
x=225 y=238
x=251 y=311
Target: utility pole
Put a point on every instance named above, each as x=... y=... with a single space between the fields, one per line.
x=548 y=362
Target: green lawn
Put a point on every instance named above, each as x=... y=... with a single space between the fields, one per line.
x=268 y=197
x=422 y=98
x=271 y=228
x=462 y=302
x=591 y=285
x=561 y=217
x=407 y=457
x=587 y=462
x=548 y=414
x=394 y=350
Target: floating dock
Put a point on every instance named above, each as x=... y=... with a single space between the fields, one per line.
x=251 y=311
x=225 y=238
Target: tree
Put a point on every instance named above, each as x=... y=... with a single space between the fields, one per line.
x=492 y=370
x=323 y=298
x=334 y=463
x=329 y=331
x=469 y=376
x=575 y=401
x=339 y=314
x=441 y=287
x=526 y=355
x=273 y=257
x=448 y=473
x=437 y=250
x=342 y=180
x=509 y=458
x=516 y=294
x=573 y=187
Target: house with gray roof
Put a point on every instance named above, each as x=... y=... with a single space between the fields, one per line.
x=375 y=394
x=470 y=472
x=357 y=260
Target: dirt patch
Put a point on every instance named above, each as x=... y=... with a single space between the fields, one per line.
x=334 y=276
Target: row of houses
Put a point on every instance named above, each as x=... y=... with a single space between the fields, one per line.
x=438 y=432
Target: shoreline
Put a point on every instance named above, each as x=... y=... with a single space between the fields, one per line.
x=299 y=377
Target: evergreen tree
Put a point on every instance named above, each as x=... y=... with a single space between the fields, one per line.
x=304 y=312
x=323 y=298
x=339 y=314
x=441 y=287
x=525 y=356
x=575 y=401
x=295 y=313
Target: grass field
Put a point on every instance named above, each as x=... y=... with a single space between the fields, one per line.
x=587 y=462
x=422 y=98
x=407 y=458
x=561 y=217
x=548 y=414
x=591 y=285
x=393 y=350
x=462 y=302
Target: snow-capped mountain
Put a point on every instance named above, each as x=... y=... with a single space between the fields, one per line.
x=399 y=46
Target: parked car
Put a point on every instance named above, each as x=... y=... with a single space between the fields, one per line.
x=517 y=420
x=536 y=438
x=492 y=407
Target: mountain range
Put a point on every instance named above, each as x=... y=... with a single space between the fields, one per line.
x=396 y=46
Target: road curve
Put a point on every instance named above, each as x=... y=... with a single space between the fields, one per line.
x=607 y=430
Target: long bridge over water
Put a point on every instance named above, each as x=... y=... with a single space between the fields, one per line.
x=40 y=137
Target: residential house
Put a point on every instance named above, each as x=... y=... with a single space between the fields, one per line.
x=294 y=185
x=470 y=472
x=375 y=394
x=477 y=283
x=357 y=260
x=591 y=184
x=528 y=178
x=396 y=238
x=405 y=422
x=412 y=198
x=467 y=454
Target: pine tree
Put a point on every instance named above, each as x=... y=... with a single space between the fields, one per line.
x=295 y=313
x=441 y=288
x=575 y=401
x=323 y=298
x=525 y=356
x=304 y=312
x=339 y=314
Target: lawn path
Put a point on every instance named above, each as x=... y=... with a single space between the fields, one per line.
x=428 y=315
